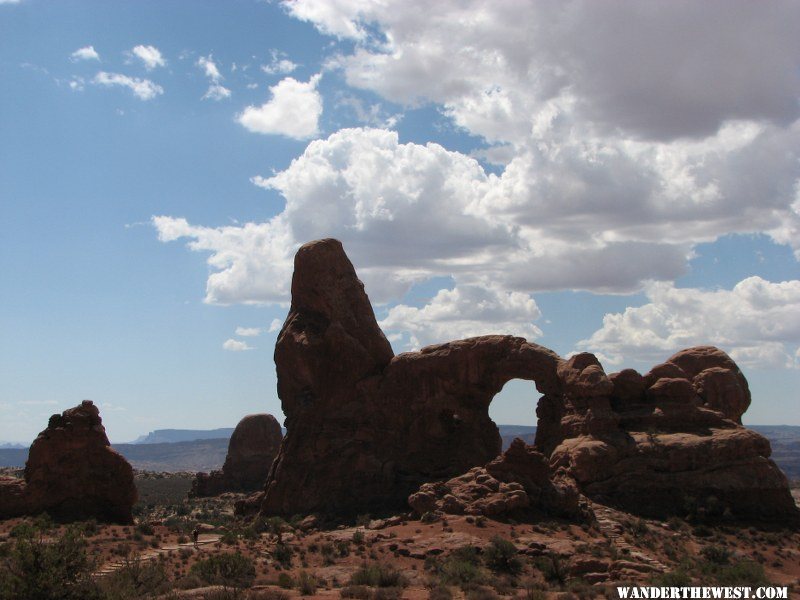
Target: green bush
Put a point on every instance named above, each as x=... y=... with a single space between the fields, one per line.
x=136 y=579
x=34 y=568
x=283 y=554
x=461 y=568
x=501 y=556
x=285 y=581
x=228 y=570
x=551 y=568
x=378 y=575
x=716 y=554
x=306 y=584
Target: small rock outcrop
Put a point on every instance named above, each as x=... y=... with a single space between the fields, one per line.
x=251 y=450
x=366 y=429
x=517 y=482
x=72 y=473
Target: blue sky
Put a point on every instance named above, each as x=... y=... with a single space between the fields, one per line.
x=619 y=178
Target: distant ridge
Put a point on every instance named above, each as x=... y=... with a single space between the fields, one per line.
x=205 y=450
x=171 y=436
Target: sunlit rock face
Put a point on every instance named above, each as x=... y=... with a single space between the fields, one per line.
x=366 y=429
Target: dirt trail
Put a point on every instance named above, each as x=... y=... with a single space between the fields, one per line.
x=153 y=553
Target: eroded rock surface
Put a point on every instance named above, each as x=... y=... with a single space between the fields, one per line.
x=519 y=481
x=251 y=450
x=72 y=473
x=366 y=429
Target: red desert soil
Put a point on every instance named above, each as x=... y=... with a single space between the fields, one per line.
x=589 y=558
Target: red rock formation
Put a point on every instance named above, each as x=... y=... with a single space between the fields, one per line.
x=366 y=429
x=251 y=450
x=518 y=482
x=72 y=473
x=670 y=443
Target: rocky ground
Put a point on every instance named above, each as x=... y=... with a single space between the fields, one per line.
x=403 y=557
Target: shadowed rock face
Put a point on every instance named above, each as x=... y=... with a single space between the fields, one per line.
x=365 y=429
x=251 y=450
x=72 y=473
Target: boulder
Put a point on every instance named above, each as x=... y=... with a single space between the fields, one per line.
x=72 y=473
x=252 y=448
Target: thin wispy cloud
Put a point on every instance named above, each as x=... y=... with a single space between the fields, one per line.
x=144 y=89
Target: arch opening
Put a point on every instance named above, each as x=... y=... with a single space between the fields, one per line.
x=513 y=410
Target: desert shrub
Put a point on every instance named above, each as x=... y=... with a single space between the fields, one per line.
x=716 y=554
x=482 y=593
x=229 y=538
x=358 y=537
x=228 y=570
x=285 y=581
x=378 y=575
x=34 y=568
x=328 y=553
x=440 y=592
x=552 y=569
x=283 y=554
x=306 y=584
x=745 y=572
x=363 y=520
x=343 y=548
x=387 y=593
x=136 y=579
x=501 y=556
x=360 y=592
x=461 y=568
x=145 y=529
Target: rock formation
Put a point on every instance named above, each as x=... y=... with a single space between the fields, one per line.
x=365 y=429
x=72 y=473
x=251 y=450
x=666 y=443
x=517 y=482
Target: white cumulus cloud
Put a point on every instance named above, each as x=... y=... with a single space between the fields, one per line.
x=150 y=56
x=236 y=346
x=85 y=53
x=757 y=322
x=464 y=311
x=209 y=68
x=144 y=89
x=293 y=110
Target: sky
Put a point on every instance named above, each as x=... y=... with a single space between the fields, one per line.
x=619 y=177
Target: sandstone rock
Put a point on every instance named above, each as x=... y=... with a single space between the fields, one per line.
x=73 y=473
x=517 y=481
x=253 y=446
x=366 y=429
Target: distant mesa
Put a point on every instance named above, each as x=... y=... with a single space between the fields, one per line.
x=251 y=450
x=367 y=429
x=72 y=473
x=171 y=436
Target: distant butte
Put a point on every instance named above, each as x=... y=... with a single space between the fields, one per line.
x=367 y=429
